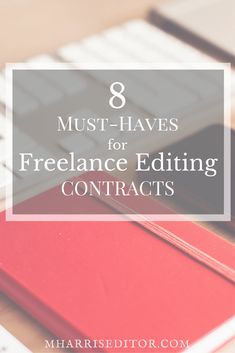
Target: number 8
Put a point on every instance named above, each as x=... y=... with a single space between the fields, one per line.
x=117 y=95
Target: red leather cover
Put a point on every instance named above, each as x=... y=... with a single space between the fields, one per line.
x=116 y=280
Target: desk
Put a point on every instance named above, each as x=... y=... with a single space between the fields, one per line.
x=24 y=32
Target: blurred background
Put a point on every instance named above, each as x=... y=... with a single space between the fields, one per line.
x=30 y=27
x=37 y=27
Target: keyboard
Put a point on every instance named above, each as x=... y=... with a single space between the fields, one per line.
x=134 y=41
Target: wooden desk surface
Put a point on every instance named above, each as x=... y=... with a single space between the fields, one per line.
x=30 y=27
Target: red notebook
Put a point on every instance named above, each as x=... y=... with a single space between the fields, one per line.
x=114 y=281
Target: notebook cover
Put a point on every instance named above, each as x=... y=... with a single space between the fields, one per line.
x=117 y=280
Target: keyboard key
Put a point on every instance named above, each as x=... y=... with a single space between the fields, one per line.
x=2 y=126
x=23 y=103
x=135 y=49
x=77 y=143
x=38 y=87
x=23 y=142
x=76 y=53
x=41 y=59
x=2 y=90
x=70 y=82
x=5 y=179
x=105 y=50
x=2 y=150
